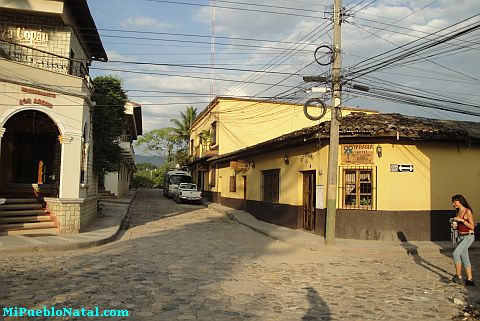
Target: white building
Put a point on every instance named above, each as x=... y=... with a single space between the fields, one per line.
x=120 y=182
x=46 y=48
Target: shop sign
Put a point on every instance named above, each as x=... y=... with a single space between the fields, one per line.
x=23 y=36
x=360 y=154
x=239 y=165
x=37 y=92
x=38 y=101
x=401 y=168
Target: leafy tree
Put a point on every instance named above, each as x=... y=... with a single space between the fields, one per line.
x=149 y=176
x=145 y=166
x=170 y=142
x=182 y=127
x=161 y=142
x=107 y=123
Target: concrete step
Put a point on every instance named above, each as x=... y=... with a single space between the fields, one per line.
x=19 y=226
x=18 y=200
x=26 y=219
x=107 y=195
x=23 y=213
x=41 y=231
x=6 y=207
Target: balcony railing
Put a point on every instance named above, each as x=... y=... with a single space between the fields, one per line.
x=42 y=59
x=126 y=138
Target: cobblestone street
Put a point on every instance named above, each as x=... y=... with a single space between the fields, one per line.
x=187 y=262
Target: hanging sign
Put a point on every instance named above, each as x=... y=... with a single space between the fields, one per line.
x=239 y=165
x=357 y=154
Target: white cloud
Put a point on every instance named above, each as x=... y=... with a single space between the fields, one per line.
x=146 y=22
x=390 y=15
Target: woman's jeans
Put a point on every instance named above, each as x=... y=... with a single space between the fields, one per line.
x=461 y=251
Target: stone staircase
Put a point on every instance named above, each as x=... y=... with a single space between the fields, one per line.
x=105 y=194
x=25 y=216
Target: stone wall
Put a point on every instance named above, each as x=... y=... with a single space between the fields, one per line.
x=72 y=215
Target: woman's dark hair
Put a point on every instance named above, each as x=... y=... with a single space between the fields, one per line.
x=462 y=200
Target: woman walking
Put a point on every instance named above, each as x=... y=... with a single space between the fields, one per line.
x=466 y=236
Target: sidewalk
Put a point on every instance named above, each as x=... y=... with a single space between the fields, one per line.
x=316 y=242
x=106 y=228
x=100 y=231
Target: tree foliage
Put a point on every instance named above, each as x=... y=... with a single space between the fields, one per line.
x=107 y=123
x=149 y=176
x=171 y=142
x=182 y=126
x=160 y=141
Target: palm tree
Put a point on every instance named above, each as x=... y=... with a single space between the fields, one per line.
x=182 y=126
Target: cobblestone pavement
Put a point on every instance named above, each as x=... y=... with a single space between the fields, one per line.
x=186 y=262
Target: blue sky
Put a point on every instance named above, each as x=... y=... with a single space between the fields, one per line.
x=152 y=46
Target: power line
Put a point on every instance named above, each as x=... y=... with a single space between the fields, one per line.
x=419 y=58
x=408 y=49
x=237 y=8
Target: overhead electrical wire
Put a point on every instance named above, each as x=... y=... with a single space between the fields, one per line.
x=238 y=8
x=412 y=48
x=282 y=57
x=405 y=62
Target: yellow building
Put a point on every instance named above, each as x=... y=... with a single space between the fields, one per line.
x=396 y=176
x=229 y=124
x=46 y=179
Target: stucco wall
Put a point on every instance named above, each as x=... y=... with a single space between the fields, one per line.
x=243 y=123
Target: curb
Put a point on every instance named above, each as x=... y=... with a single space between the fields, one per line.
x=315 y=242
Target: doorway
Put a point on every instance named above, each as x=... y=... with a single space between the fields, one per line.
x=30 y=154
x=244 y=200
x=309 y=200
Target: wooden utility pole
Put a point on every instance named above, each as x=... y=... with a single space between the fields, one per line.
x=334 y=125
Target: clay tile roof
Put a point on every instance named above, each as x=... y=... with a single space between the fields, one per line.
x=362 y=125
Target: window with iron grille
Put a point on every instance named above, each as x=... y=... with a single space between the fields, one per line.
x=233 y=184
x=358 y=188
x=213 y=174
x=271 y=186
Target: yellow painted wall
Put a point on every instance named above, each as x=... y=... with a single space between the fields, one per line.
x=403 y=190
x=440 y=171
x=246 y=123
x=290 y=180
x=243 y=123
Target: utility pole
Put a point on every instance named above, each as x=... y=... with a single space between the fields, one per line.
x=336 y=61
x=334 y=124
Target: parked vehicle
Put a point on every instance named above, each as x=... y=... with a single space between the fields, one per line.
x=173 y=179
x=187 y=192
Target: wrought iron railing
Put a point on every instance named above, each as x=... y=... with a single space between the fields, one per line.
x=42 y=59
x=126 y=138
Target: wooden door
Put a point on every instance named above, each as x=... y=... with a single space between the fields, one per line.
x=244 y=201
x=309 y=201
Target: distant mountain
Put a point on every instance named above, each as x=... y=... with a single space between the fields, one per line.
x=155 y=160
